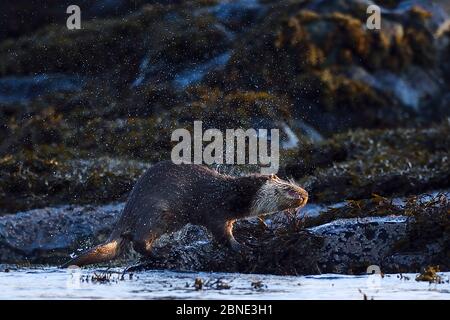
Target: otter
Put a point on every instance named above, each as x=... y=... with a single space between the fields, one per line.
x=169 y=196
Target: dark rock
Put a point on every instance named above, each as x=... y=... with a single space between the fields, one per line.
x=169 y=36
x=354 y=244
x=306 y=49
x=30 y=181
x=50 y=235
x=24 y=16
x=342 y=246
x=23 y=89
x=360 y=163
x=295 y=253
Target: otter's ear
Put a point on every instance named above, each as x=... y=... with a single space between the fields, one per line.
x=274 y=177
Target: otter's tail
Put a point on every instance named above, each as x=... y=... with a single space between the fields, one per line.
x=101 y=253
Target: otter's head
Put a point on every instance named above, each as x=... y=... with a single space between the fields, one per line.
x=278 y=195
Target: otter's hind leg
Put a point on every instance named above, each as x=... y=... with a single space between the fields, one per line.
x=143 y=244
x=151 y=225
x=101 y=253
x=146 y=235
x=224 y=234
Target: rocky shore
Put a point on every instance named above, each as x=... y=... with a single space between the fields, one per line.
x=363 y=116
x=390 y=234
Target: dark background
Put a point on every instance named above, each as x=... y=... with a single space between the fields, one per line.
x=83 y=112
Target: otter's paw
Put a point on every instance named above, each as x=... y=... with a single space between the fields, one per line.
x=240 y=248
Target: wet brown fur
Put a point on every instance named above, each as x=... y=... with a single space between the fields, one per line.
x=169 y=196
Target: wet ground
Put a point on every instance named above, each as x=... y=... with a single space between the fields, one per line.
x=54 y=283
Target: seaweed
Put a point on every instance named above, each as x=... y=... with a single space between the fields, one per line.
x=428 y=224
x=37 y=179
x=430 y=274
x=429 y=231
x=357 y=164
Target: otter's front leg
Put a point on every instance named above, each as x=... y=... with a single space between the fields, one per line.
x=224 y=234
